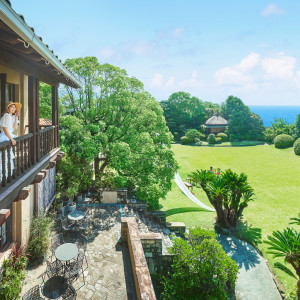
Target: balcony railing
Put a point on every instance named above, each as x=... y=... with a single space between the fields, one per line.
x=15 y=160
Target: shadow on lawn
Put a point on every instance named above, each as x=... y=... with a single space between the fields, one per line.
x=248 y=233
x=180 y=210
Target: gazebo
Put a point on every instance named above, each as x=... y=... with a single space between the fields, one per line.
x=216 y=124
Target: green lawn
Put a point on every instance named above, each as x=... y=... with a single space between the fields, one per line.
x=274 y=174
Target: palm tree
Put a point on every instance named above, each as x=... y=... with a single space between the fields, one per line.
x=229 y=193
x=286 y=244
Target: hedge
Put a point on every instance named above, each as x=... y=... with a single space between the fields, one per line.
x=297 y=147
x=283 y=141
x=211 y=139
x=223 y=136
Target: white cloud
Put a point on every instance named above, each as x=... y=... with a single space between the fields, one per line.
x=192 y=82
x=157 y=80
x=238 y=74
x=272 y=9
x=249 y=62
x=178 y=33
x=170 y=82
x=281 y=66
x=139 y=48
x=106 y=53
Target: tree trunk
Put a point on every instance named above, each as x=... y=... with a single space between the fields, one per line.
x=96 y=166
x=222 y=216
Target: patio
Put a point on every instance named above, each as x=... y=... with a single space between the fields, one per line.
x=108 y=275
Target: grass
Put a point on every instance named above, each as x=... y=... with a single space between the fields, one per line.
x=273 y=173
x=231 y=144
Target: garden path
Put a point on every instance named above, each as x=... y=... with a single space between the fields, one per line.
x=108 y=275
x=255 y=279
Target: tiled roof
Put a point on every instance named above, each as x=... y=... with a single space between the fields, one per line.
x=216 y=120
x=45 y=122
x=32 y=29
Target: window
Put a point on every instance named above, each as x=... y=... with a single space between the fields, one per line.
x=5 y=228
x=10 y=92
x=3 y=235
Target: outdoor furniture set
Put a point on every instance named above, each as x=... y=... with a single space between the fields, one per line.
x=68 y=261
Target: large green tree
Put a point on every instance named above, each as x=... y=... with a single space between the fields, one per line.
x=201 y=269
x=183 y=111
x=124 y=127
x=45 y=93
x=297 y=126
x=243 y=124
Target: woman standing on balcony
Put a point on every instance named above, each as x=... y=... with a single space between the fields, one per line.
x=9 y=123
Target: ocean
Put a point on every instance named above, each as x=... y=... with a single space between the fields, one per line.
x=269 y=113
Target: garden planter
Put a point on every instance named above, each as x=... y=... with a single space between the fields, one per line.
x=71 y=207
x=66 y=202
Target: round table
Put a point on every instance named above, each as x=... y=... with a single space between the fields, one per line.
x=66 y=252
x=76 y=215
x=55 y=287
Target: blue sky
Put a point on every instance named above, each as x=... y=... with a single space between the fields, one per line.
x=211 y=49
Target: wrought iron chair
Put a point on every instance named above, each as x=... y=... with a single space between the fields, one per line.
x=53 y=268
x=84 y=224
x=33 y=294
x=56 y=241
x=70 y=293
x=81 y=243
x=72 y=270
x=66 y=226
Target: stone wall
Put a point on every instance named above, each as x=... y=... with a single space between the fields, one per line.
x=142 y=279
x=152 y=245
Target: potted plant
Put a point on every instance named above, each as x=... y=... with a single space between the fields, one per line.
x=71 y=192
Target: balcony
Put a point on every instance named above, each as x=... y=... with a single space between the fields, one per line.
x=32 y=153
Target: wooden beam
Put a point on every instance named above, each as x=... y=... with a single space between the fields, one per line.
x=3 y=92
x=37 y=119
x=32 y=122
x=12 y=61
x=24 y=193
x=55 y=113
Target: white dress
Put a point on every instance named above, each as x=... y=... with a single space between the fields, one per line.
x=7 y=121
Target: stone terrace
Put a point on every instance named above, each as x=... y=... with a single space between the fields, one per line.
x=108 y=275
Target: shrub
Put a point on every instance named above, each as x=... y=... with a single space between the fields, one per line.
x=13 y=272
x=223 y=136
x=211 y=139
x=192 y=134
x=200 y=267
x=283 y=141
x=297 y=147
x=197 y=140
x=218 y=140
x=185 y=140
x=39 y=237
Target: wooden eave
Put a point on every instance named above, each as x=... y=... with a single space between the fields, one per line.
x=21 y=49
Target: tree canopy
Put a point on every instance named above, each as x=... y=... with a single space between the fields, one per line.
x=121 y=127
x=243 y=124
x=201 y=269
x=183 y=111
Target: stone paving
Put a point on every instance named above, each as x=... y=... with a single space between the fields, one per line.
x=108 y=275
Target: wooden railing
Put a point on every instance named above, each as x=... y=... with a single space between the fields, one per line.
x=15 y=160
x=47 y=140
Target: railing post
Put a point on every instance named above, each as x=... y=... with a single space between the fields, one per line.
x=33 y=108
x=55 y=114
x=3 y=167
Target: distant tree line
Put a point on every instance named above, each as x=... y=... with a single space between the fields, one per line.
x=183 y=112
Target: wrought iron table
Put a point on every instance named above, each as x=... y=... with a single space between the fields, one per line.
x=76 y=215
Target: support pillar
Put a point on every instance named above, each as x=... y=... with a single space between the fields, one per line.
x=34 y=116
